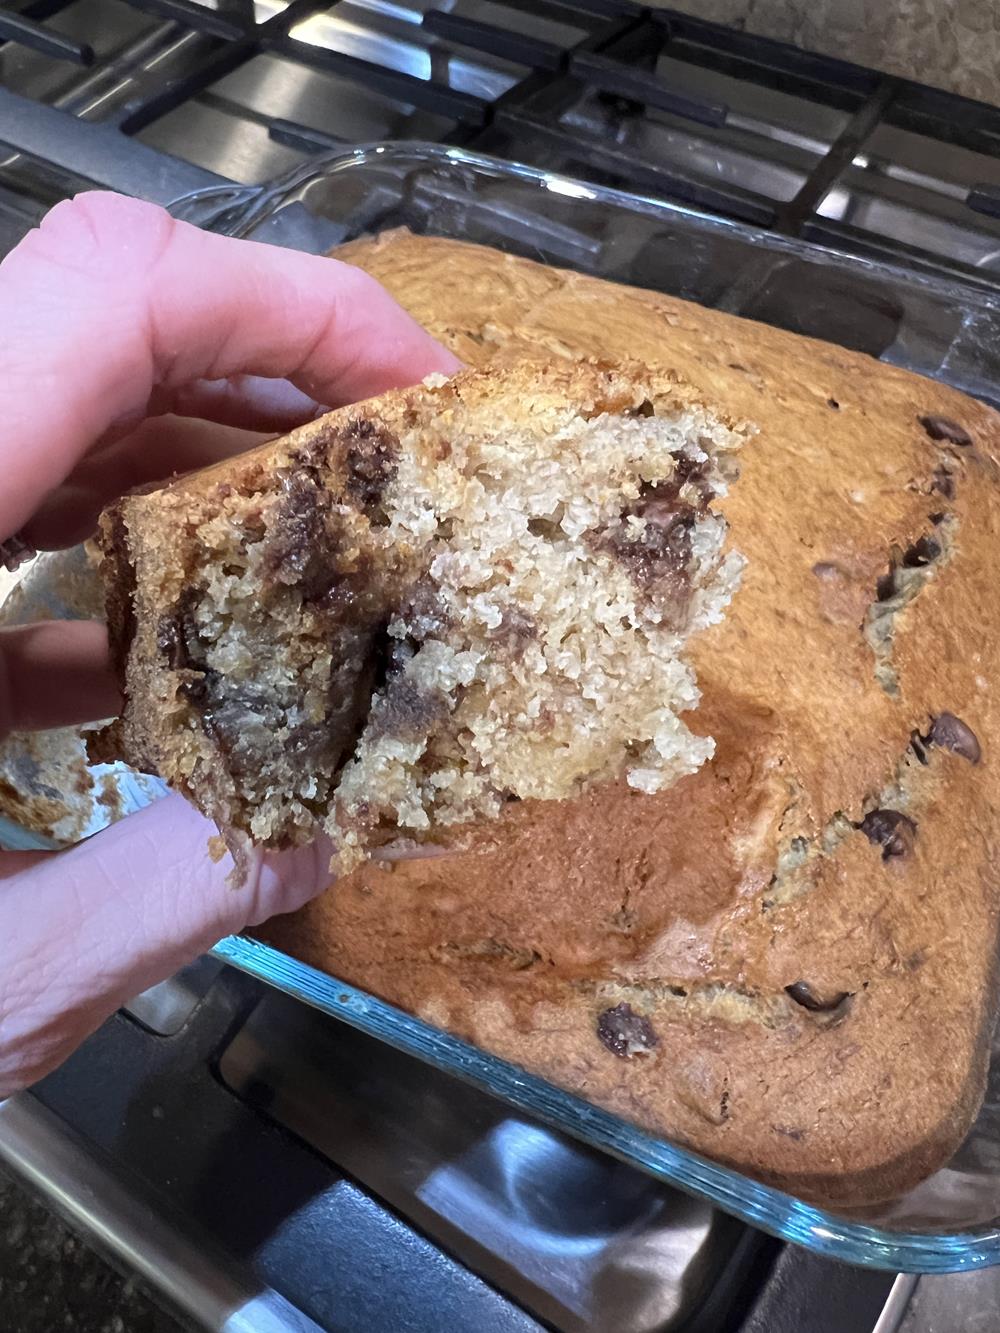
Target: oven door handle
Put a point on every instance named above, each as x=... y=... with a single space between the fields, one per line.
x=82 y=1184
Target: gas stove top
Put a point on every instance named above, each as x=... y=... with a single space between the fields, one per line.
x=262 y=1165
x=604 y=89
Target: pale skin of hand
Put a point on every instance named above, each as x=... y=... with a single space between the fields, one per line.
x=112 y=315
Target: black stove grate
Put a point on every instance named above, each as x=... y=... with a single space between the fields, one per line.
x=652 y=100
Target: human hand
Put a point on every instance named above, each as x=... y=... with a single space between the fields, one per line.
x=122 y=332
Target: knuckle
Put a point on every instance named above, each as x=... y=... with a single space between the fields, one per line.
x=93 y=234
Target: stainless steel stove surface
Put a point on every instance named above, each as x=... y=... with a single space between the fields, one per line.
x=264 y=1166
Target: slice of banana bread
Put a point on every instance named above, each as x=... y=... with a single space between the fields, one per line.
x=417 y=609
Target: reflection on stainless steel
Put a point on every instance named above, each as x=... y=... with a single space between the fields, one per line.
x=899 y=210
x=904 y=185
x=377 y=34
x=891 y=1318
x=912 y=188
x=227 y=129
x=196 y=1281
x=165 y=1008
x=778 y=171
x=763 y=112
x=128 y=44
x=578 y=1238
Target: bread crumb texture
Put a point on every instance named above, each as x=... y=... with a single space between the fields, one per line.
x=417 y=610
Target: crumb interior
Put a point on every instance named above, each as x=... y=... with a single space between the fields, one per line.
x=501 y=618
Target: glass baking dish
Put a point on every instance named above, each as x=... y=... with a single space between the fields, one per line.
x=941 y=328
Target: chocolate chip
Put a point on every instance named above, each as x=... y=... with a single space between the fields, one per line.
x=953 y=734
x=789 y=1131
x=943 y=482
x=802 y=993
x=891 y=830
x=943 y=428
x=624 y=1032
x=423 y=610
x=918 y=555
x=937 y=517
x=177 y=635
x=516 y=630
x=832 y=402
x=658 y=556
x=407 y=711
x=645 y=409
x=923 y=552
x=14 y=552
x=659 y=500
x=371 y=456
x=195 y=691
x=298 y=550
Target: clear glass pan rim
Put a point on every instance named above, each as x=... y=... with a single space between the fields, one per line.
x=760 y=1205
x=237 y=210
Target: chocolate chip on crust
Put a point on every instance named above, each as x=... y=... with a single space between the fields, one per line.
x=624 y=1032
x=943 y=428
x=953 y=734
x=891 y=830
x=803 y=994
x=924 y=551
x=918 y=744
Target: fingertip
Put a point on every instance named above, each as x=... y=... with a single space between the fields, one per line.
x=167 y=853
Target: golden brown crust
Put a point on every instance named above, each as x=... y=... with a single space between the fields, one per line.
x=698 y=907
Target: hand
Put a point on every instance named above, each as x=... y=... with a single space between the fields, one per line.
x=113 y=315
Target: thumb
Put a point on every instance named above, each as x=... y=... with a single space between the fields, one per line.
x=87 y=929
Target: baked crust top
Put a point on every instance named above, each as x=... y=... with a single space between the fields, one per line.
x=761 y=962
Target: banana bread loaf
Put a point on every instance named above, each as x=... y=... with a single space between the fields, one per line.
x=785 y=961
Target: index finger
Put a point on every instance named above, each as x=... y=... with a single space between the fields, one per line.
x=110 y=298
